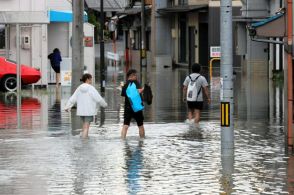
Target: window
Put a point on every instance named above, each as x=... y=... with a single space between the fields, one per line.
x=183 y=38
x=2 y=36
x=183 y=2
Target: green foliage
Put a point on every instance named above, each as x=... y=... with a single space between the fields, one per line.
x=93 y=19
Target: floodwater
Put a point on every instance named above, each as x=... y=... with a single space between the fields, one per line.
x=47 y=156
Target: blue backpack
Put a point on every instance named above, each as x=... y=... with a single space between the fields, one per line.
x=134 y=97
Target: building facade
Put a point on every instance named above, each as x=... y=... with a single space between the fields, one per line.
x=190 y=27
x=55 y=32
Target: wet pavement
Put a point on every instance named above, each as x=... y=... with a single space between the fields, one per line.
x=47 y=156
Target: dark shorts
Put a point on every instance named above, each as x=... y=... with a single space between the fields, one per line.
x=195 y=105
x=87 y=119
x=129 y=114
x=56 y=68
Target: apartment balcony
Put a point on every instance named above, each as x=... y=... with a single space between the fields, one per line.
x=172 y=6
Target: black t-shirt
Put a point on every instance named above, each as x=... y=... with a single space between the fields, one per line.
x=124 y=94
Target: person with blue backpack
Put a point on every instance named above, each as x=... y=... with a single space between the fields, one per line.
x=194 y=86
x=133 y=108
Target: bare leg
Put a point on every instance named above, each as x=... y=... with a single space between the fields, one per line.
x=197 y=116
x=124 y=131
x=190 y=114
x=57 y=79
x=142 y=131
x=85 y=132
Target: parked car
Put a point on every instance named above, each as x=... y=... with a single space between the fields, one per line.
x=8 y=82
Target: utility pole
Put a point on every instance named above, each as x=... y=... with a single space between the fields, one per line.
x=18 y=75
x=102 y=61
x=289 y=75
x=77 y=43
x=226 y=93
x=143 y=60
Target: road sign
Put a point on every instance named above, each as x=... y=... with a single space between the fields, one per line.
x=215 y=52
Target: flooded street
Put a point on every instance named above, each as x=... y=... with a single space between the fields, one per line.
x=47 y=156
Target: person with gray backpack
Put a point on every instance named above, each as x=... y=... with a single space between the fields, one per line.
x=194 y=86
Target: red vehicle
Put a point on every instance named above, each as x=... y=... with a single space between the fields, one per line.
x=30 y=111
x=29 y=75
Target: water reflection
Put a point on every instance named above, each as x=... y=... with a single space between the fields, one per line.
x=175 y=158
x=54 y=113
x=290 y=175
x=81 y=162
x=76 y=122
x=30 y=111
x=134 y=164
x=227 y=176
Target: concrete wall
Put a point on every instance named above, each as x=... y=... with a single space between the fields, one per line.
x=23 y=5
x=162 y=31
x=36 y=55
x=255 y=66
x=40 y=50
x=255 y=8
x=193 y=20
x=198 y=2
x=59 y=5
x=58 y=37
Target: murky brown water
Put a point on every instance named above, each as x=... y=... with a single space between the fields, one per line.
x=47 y=156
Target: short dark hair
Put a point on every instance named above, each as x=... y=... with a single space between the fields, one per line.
x=196 y=68
x=130 y=72
x=85 y=77
x=56 y=50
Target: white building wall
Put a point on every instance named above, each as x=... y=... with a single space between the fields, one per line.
x=25 y=54
x=44 y=38
x=23 y=5
x=59 y=35
x=36 y=55
x=58 y=38
x=60 y=4
x=39 y=50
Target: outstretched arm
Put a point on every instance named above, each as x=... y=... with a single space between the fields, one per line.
x=97 y=97
x=72 y=101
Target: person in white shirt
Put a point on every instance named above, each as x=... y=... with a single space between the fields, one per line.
x=86 y=97
x=195 y=102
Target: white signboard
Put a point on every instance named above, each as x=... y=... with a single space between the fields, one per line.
x=65 y=72
x=215 y=52
x=65 y=78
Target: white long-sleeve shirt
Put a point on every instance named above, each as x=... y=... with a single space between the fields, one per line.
x=86 y=97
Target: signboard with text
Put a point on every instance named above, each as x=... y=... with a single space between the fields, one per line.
x=215 y=52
